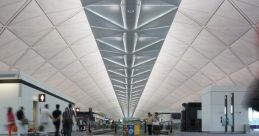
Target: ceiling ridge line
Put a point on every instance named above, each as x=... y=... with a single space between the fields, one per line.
x=214 y=13
x=68 y=18
x=240 y=11
x=80 y=39
x=11 y=3
x=60 y=82
x=210 y=59
x=41 y=37
x=247 y=3
x=58 y=11
x=191 y=18
x=15 y=15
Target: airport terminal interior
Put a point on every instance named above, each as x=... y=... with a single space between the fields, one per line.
x=129 y=67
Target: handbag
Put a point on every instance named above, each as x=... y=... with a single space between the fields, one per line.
x=25 y=121
x=14 y=128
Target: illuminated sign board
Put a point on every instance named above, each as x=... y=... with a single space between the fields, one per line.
x=42 y=97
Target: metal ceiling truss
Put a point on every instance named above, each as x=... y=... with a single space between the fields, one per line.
x=129 y=35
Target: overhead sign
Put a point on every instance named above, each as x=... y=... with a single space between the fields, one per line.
x=42 y=97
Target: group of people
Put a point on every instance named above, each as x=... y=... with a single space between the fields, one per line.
x=22 y=121
x=152 y=123
x=21 y=126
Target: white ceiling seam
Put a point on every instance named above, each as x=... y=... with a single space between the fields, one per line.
x=17 y=12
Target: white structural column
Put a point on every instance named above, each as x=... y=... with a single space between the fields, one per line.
x=214 y=110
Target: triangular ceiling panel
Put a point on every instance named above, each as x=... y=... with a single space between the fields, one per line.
x=250 y=8
x=27 y=23
x=29 y=66
x=8 y=8
x=45 y=47
x=60 y=11
x=10 y=45
x=228 y=24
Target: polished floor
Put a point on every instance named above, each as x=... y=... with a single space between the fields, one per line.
x=183 y=134
x=175 y=134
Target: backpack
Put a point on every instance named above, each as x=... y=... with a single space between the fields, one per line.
x=19 y=115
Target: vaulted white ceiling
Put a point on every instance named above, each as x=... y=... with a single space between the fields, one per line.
x=52 y=41
x=209 y=42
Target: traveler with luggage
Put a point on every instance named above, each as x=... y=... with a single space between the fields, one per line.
x=22 y=122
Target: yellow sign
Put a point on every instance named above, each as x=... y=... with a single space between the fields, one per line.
x=137 y=130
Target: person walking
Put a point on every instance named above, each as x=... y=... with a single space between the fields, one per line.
x=11 y=121
x=57 y=119
x=45 y=116
x=22 y=122
x=68 y=115
x=156 y=125
x=149 y=123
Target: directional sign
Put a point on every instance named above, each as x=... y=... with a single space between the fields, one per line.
x=42 y=97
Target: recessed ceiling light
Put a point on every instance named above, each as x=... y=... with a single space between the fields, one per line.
x=131 y=11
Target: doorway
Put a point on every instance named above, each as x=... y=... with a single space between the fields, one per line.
x=35 y=113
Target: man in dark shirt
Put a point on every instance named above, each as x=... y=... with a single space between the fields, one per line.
x=57 y=118
x=21 y=129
